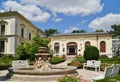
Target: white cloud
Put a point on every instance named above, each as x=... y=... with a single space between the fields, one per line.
x=57 y=19
x=42 y=10
x=69 y=7
x=105 y=22
x=31 y=12
x=84 y=21
x=1 y=10
x=70 y=29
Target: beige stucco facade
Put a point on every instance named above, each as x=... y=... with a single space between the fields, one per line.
x=15 y=29
x=74 y=44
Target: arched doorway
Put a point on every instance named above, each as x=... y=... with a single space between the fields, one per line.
x=71 y=48
x=102 y=46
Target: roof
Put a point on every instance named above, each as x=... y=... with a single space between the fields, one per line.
x=17 y=14
x=77 y=34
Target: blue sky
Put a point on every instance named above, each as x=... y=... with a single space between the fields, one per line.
x=67 y=15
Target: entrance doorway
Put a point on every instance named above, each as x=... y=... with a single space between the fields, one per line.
x=72 y=48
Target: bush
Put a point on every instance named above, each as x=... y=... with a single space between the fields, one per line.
x=91 y=53
x=104 y=57
x=5 y=61
x=57 y=59
x=69 y=79
x=77 y=62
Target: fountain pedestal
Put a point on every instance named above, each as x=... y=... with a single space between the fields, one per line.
x=41 y=71
x=42 y=62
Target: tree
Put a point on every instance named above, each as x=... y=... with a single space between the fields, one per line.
x=91 y=53
x=115 y=31
x=49 y=32
x=27 y=50
x=99 y=30
x=78 y=31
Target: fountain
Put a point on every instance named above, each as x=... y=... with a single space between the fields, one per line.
x=41 y=70
x=42 y=63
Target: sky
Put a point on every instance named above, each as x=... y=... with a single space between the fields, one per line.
x=67 y=15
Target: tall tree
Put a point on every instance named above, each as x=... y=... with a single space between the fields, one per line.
x=78 y=31
x=115 y=31
x=28 y=49
x=49 y=32
x=99 y=30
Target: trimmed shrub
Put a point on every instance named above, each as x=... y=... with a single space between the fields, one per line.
x=104 y=57
x=57 y=59
x=91 y=53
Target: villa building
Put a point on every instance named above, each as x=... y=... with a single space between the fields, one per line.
x=74 y=44
x=15 y=29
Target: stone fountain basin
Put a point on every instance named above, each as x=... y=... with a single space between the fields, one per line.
x=54 y=71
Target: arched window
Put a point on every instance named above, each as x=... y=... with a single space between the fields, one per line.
x=56 y=48
x=102 y=46
x=22 y=29
x=22 y=32
x=87 y=43
x=29 y=36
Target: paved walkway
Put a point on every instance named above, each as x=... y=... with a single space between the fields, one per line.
x=84 y=74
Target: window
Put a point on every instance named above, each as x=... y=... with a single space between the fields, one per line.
x=87 y=43
x=29 y=36
x=22 y=32
x=2 y=46
x=56 y=48
x=2 y=29
x=102 y=46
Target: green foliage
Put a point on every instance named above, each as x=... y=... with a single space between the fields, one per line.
x=5 y=61
x=28 y=49
x=91 y=53
x=115 y=31
x=69 y=79
x=21 y=52
x=57 y=59
x=78 y=31
x=78 y=62
x=49 y=32
x=99 y=30
x=104 y=57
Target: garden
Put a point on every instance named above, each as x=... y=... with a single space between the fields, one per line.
x=26 y=51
